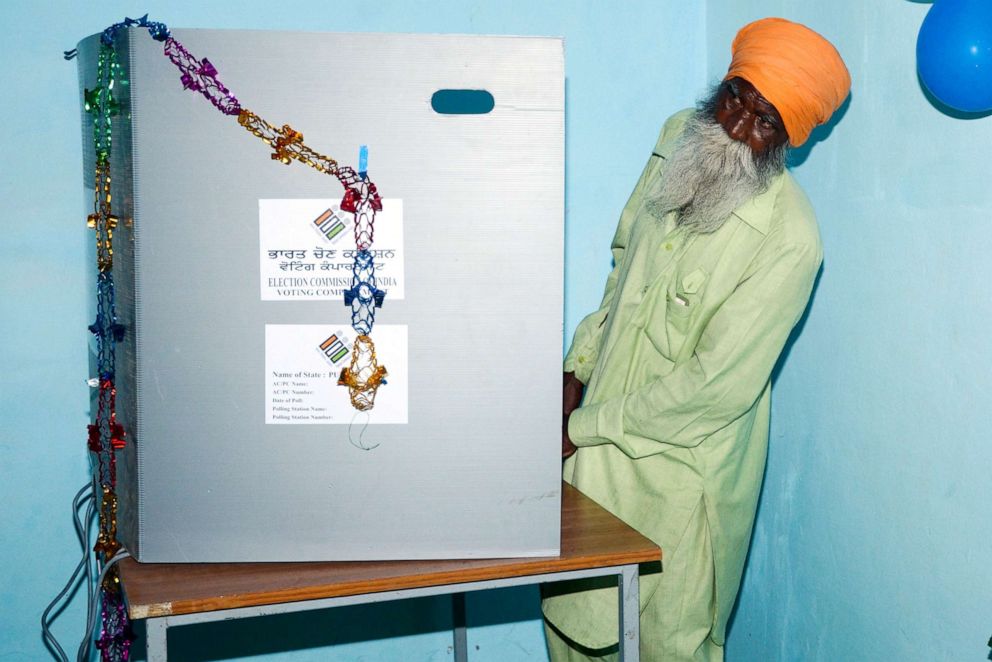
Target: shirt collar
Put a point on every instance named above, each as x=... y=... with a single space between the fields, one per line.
x=756 y=212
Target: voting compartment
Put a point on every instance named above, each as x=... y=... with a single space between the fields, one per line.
x=231 y=269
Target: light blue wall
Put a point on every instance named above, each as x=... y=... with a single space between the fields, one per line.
x=628 y=67
x=874 y=538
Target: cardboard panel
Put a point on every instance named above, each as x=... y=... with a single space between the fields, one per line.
x=245 y=449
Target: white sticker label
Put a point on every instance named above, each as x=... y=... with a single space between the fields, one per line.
x=302 y=366
x=307 y=249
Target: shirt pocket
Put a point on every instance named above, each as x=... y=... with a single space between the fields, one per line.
x=671 y=319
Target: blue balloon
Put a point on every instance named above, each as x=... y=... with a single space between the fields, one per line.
x=954 y=54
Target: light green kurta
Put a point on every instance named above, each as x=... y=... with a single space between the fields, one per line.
x=677 y=364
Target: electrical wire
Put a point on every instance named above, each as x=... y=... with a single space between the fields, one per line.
x=83 y=572
x=50 y=641
x=88 y=575
x=82 y=532
x=91 y=589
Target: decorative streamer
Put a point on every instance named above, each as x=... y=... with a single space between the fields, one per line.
x=106 y=436
x=364 y=376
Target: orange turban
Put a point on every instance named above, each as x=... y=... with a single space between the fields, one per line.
x=796 y=69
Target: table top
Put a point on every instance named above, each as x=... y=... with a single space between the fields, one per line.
x=591 y=537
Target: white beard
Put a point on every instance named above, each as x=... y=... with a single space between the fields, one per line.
x=710 y=174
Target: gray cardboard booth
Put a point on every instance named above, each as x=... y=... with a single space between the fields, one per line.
x=241 y=445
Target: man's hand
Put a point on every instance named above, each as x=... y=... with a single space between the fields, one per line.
x=567 y=447
x=572 y=390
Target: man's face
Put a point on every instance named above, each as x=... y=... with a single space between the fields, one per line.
x=748 y=117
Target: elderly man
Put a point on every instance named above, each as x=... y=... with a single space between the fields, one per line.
x=715 y=257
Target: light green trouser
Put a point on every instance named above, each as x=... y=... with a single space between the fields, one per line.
x=677 y=619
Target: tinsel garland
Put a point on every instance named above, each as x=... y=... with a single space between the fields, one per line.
x=361 y=199
x=106 y=436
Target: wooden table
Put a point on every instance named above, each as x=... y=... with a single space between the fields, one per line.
x=593 y=543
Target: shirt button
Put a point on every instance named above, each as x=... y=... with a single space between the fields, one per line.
x=582 y=359
x=668 y=246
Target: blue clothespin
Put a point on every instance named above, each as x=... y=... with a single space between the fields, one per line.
x=363 y=161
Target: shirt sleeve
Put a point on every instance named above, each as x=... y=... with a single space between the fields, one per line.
x=727 y=372
x=584 y=351
x=582 y=355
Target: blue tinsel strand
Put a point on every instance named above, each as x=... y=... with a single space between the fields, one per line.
x=158 y=31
